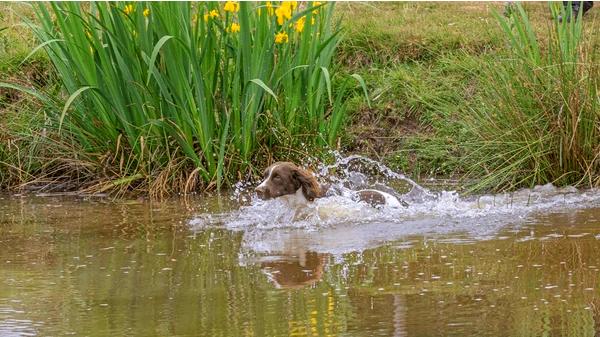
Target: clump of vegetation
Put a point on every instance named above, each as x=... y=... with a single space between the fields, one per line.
x=538 y=117
x=449 y=98
x=174 y=96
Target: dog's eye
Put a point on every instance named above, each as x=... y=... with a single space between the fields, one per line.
x=276 y=178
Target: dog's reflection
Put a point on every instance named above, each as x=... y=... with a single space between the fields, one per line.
x=304 y=269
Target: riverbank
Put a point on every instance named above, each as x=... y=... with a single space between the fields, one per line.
x=424 y=64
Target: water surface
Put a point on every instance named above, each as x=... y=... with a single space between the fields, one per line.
x=72 y=266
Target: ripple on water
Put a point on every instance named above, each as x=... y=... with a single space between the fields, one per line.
x=16 y=327
x=442 y=266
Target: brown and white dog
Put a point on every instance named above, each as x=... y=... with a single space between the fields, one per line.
x=298 y=186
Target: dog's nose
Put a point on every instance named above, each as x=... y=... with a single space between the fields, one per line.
x=262 y=191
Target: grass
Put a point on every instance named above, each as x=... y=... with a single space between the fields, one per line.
x=427 y=79
x=428 y=70
x=389 y=34
x=538 y=119
x=160 y=95
x=21 y=117
x=410 y=102
x=418 y=74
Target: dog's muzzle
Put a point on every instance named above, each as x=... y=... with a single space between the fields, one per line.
x=262 y=192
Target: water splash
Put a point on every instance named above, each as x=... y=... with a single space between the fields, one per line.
x=357 y=172
x=345 y=162
x=351 y=173
x=355 y=224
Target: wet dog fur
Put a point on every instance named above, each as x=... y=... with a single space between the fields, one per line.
x=296 y=185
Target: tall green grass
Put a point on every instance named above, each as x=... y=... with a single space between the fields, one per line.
x=160 y=93
x=538 y=120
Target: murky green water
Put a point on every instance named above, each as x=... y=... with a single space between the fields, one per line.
x=92 y=267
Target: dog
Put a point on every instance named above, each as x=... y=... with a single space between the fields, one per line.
x=298 y=186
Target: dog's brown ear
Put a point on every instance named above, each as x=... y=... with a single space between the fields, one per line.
x=310 y=187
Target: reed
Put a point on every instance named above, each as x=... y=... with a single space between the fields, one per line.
x=538 y=120
x=190 y=92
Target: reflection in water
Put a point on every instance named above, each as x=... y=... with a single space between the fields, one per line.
x=305 y=269
x=70 y=266
x=399 y=316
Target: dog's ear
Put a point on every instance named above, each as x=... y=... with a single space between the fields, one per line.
x=310 y=187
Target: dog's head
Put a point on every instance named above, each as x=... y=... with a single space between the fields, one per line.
x=285 y=178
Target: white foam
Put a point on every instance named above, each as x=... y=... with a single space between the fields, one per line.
x=356 y=225
x=341 y=208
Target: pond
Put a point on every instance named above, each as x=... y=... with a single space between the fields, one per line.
x=213 y=266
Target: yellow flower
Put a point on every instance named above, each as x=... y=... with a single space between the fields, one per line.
x=232 y=6
x=234 y=28
x=283 y=12
x=270 y=10
x=146 y=12
x=212 y=14
x=300 y=24
x=281 y=37
x=312 y=21
x=128 y=9
x=315 y=4
x=294 y=4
